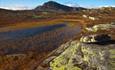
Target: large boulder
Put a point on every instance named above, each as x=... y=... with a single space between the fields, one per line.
x=82 y=56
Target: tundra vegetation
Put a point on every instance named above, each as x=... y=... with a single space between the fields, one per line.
x=60 y=48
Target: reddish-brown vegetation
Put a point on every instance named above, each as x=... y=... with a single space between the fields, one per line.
x=27 y=53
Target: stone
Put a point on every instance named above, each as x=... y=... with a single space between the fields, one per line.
x=81 y=56
x=95 y=38
x=99 y=27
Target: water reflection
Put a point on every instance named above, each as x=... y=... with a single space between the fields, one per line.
x=29 y=32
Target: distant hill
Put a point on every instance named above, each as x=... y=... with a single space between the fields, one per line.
x=50 y=6
x=56 y=7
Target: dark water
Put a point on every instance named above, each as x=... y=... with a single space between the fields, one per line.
x=41 y=39
x=29 y=32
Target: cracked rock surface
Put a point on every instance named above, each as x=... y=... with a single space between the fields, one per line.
x=82 y=56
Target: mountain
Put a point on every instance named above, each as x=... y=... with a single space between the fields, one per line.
x=56 y=7
x=51 y=6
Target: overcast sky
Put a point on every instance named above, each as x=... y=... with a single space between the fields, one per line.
x=30 y=4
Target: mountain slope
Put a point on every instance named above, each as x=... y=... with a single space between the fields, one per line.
x=56 y=7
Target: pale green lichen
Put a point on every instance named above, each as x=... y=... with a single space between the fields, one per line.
x=80 y=56
x=112 y=60
x=63 y=62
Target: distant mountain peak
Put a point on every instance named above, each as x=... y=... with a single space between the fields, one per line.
x=51 y=2
x=56 y=7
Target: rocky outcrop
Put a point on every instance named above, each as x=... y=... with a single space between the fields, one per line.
x=98 y=27
x=92 y=52
x=81 y=56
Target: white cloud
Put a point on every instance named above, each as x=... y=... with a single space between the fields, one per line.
x=105 y=6
x=72 y=5
x=18 y=7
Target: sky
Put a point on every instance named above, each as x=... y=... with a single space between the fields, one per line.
x=30 y=4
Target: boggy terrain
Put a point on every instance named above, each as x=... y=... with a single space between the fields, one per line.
x=31 y=39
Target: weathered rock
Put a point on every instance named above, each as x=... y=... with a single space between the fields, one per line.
x=98 y=27
x=60 y=63
x=95 y=38
x=46 y=62
x=87 y=39
x=81 y=56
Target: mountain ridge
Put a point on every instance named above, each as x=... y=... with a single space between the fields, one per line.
x=57 y=7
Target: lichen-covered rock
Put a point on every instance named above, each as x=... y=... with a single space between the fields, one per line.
x=81 y=56
x=62 y=62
